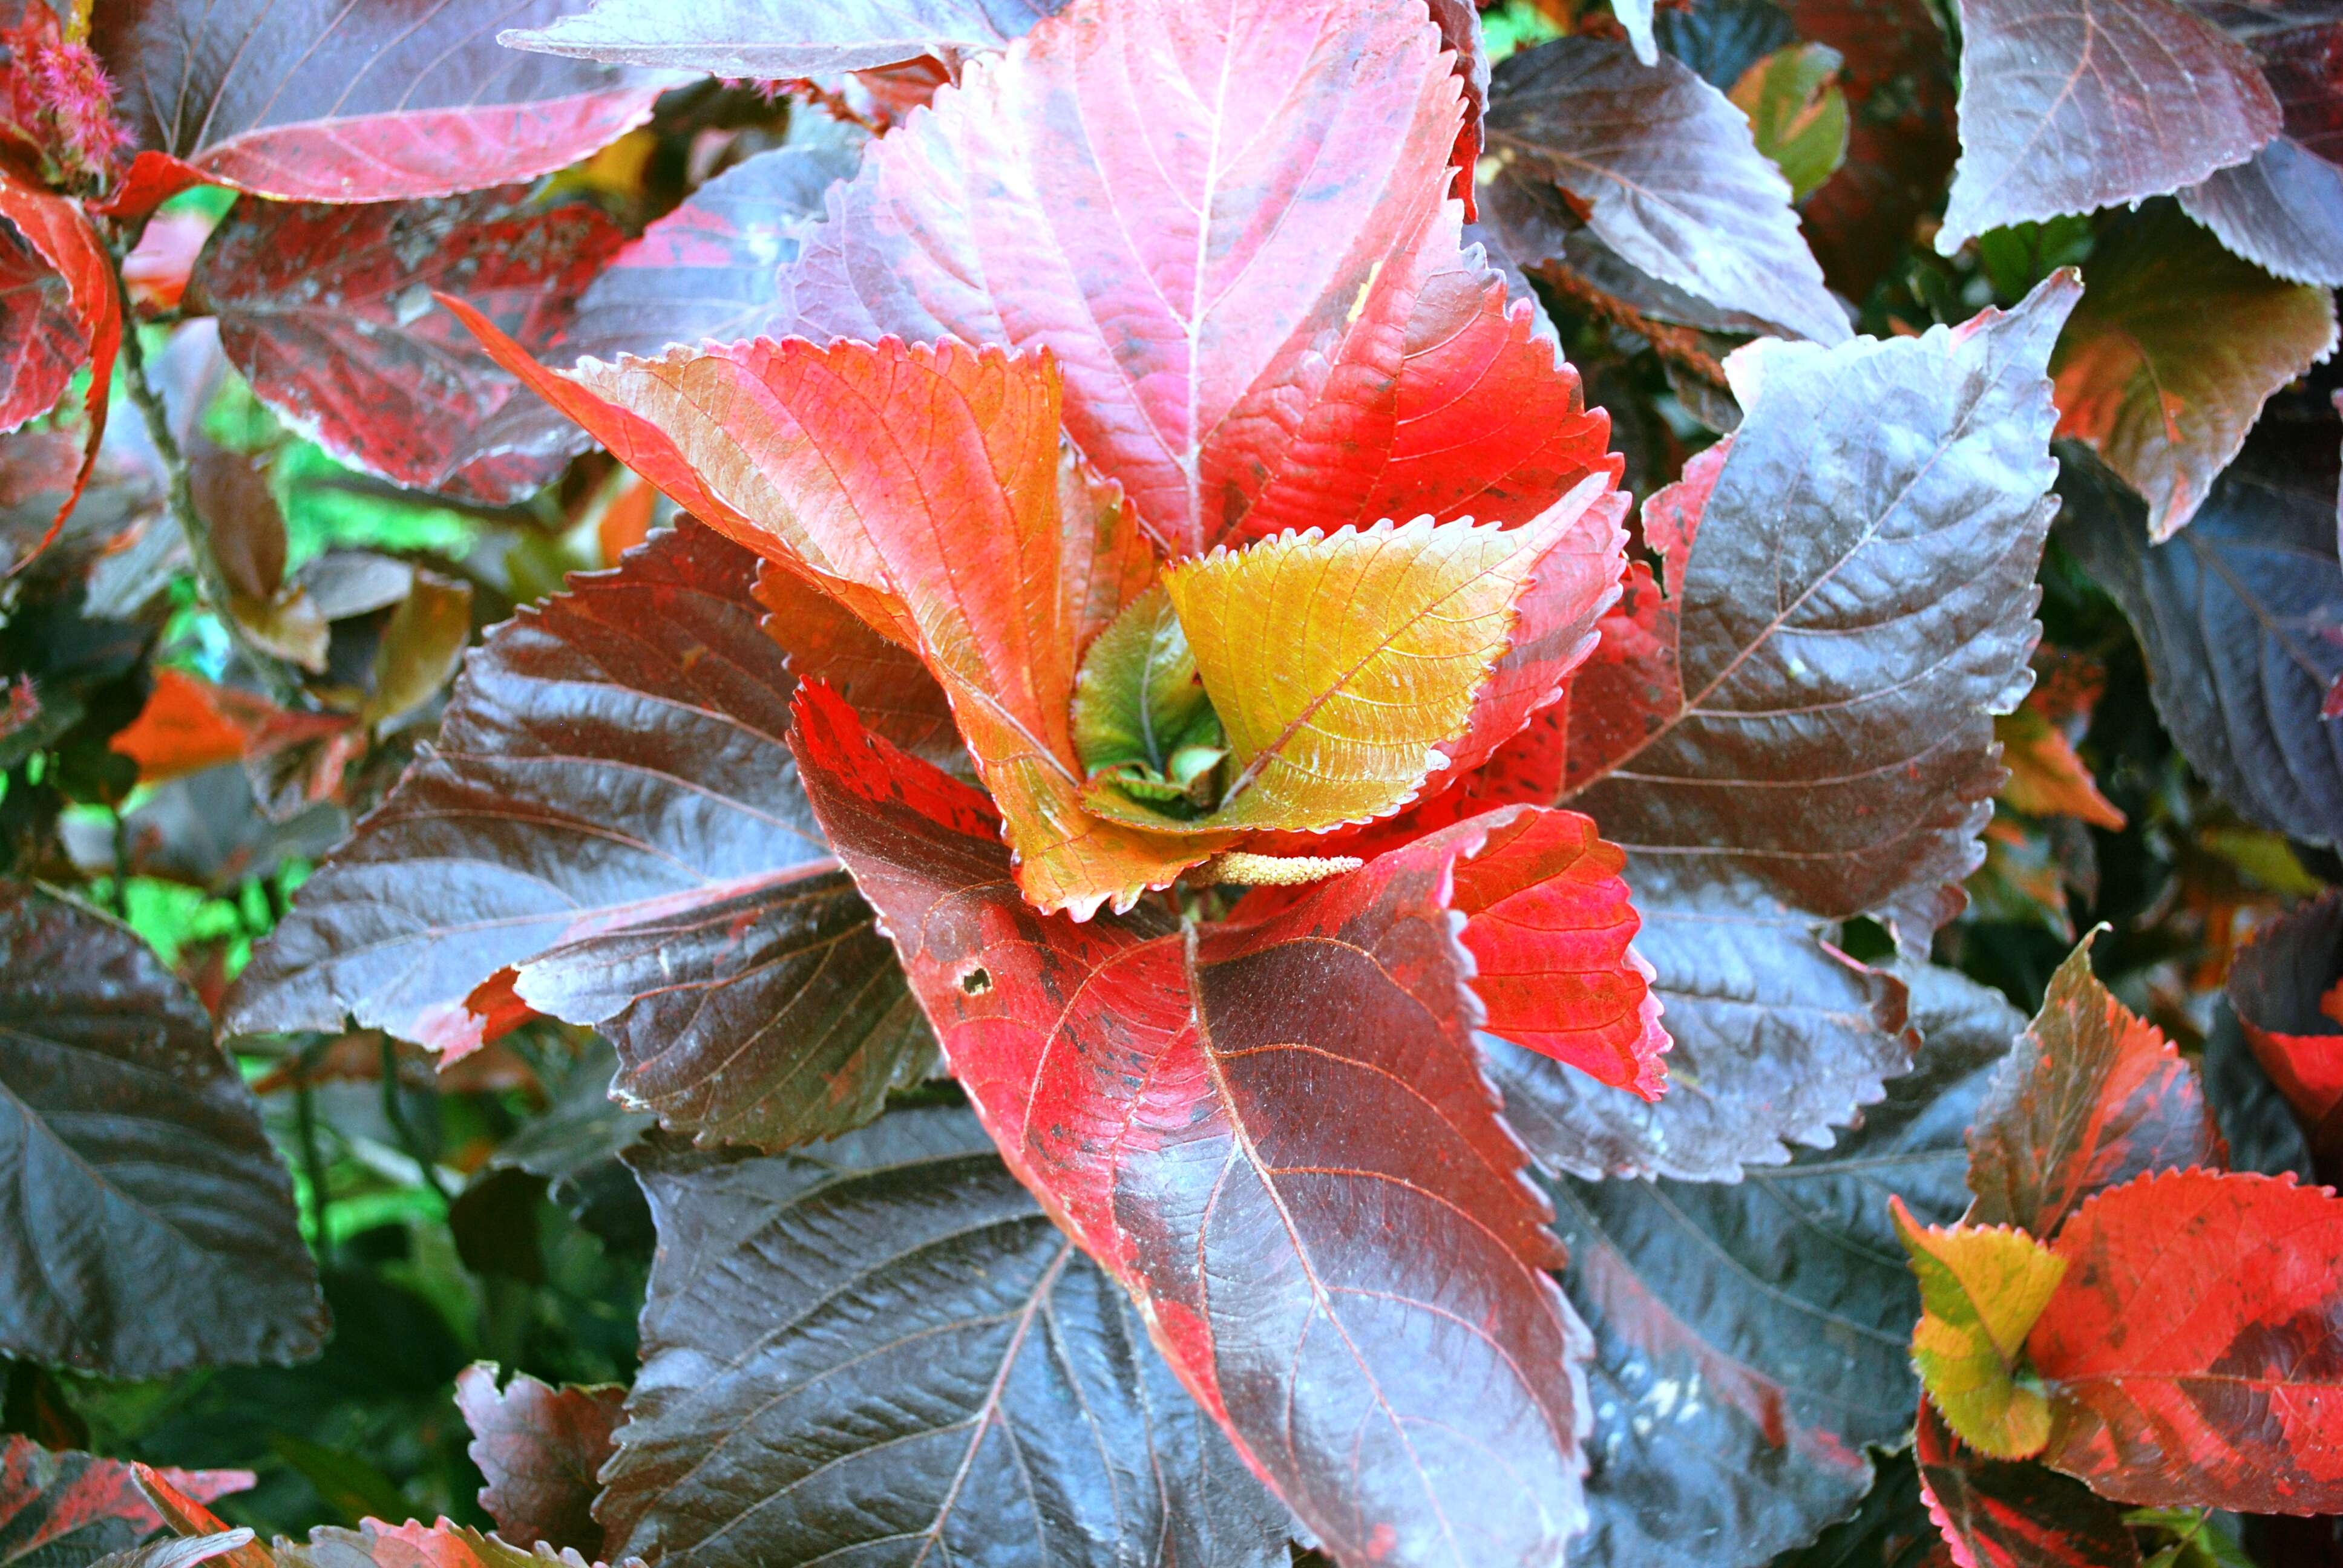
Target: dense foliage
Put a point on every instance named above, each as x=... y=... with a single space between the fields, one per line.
x=1171 y=781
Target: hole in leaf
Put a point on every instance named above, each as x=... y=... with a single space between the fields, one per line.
x=976 y=983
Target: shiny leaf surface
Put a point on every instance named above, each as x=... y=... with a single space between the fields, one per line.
x=611 y=813
x=880 y=1347
x=1669 y=177
x=2068 y=105
x=1314 y=1279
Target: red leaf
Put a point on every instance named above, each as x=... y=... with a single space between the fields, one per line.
x=2090 y=1097
x=2014 y=1513
x=181 y=729
x=388 y=101
x=328 y=312
x=188 y=1516
x=1271 y=372
x=2069 y=105
x=74 y=1507
x=883 y=681
x=1272 y=1134
x=2192 y=1352
x=1548 y=925
x=44 y=339
x=2281 y=986
x=925 y=489
x=539 y=1448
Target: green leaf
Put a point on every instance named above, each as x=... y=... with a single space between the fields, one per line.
x=1982 y=1287
x=1140 y=714
x=1796 y=112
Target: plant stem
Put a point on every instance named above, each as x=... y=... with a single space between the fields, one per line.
x=313 y=1160
x=1679 y=345
x=180 y=494
x=395 y=1114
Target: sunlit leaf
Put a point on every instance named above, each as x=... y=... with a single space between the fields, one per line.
x=1982 y=1289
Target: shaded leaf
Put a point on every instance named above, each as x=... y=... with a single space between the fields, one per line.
x=2237 y=616
x=1981 y=1289
x=1668 y=177
x=206 y=830
x=539 y=1449
x=2047 y=778
x=2092 y=1096
x=421 y=644
x=322 y=102
x=1366 y=369
x=2283 y=208
x=995 y=564
x=2191 y=1353
x=2166 y=362
x=611 y=812
x=2068 y=107
x=158 y=1226
x=778 y=39
x=2280 y=987
x=62 y=1509
x=328 y=312
x=1897 y=71
x=1797 y=116
x=1272 y=1133
x=2256 y=1122
x=884 y=681
x=1141 y=712
x=880 y=1347
x=2009 y=1513
x=708 y=271
x=60 y=310
x=1831 y=740
x=1752 y=1337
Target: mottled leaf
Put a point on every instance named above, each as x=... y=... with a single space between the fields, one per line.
x=328 y=312
x=1854 y=606
x=1311 y=347
x=2069 y=105
x=710 y=270
x=1752 y=1337
x=611 y=812
x=2283 y=208
x=2011 y=1513
x=878 y=1349
x=62 y=1509
x=2093 y=1096
x=2046 y=777
x=1981 y=1289
x=1668 y=177
x=2237 y=616
x=2191 y=1352
x=1272 y=1134
x=2282 y=987
x=2166 y=362
x=158 y=1229
x=59 y=310
x=414 y=1544
x=320 y=101
x=539 y=1449
x=925 y=489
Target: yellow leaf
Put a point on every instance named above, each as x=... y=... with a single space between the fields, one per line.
x=1982 y=1287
